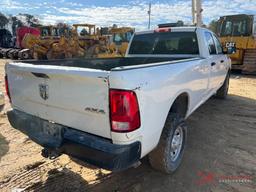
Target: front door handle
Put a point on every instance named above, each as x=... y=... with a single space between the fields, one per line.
x=213 y=63
x=222 y=61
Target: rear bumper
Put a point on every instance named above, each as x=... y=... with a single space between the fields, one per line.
x=92 y=149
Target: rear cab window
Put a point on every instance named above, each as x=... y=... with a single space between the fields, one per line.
x=171 y=43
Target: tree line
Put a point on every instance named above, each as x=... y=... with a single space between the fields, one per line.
x=23 y=19
x=18 y=21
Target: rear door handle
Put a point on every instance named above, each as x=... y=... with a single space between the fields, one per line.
x=213 y=63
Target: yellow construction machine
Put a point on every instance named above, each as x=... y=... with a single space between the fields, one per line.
x=88 y=38
x=40 y=45
x=239 y=32
x=55 y=42
x=84 y=40
x=117 y=42
x=67 y=47
x=86 y=30
x=59 y=42
x=104 y=42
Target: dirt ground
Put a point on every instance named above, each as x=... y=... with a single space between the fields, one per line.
x=221 y=150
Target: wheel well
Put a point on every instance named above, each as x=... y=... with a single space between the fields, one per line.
x=180 y=105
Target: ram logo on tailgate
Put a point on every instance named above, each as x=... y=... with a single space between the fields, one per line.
x=44 y=91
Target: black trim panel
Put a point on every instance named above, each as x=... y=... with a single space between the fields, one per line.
x=92 y=149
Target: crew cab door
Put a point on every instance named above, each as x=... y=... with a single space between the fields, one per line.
x=217 y=61
x=222 y=60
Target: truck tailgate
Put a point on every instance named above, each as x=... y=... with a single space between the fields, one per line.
x=74 y=97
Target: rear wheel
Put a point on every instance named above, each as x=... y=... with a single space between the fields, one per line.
x=168 y=154
x=223 y=90
x=24 y=54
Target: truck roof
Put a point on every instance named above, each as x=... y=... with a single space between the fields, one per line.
x=238 y=15
x=174 y=29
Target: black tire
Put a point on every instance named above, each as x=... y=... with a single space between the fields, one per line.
x=223 y=90
x=1 y=107
x=160 y=158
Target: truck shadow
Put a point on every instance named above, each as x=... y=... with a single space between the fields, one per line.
x=238 y=73
x=221 y=141
x=220 y=133
x=60 y=180
x=4 y=146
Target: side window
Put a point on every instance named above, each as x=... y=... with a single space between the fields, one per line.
x=254 y=26
x=210 y=43
x=228 y=27
x=218 y=45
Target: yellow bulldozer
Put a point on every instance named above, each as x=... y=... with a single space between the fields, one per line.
x=239 y=32
x=59 y=42
x=55 y=42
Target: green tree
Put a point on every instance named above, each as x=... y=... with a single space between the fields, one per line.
x=3 y=20
x=213 y=25
x=16 y=22
x=31 y=20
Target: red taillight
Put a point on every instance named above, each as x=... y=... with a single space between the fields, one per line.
x=7 y=87
x=124 y=111
x=162 y=30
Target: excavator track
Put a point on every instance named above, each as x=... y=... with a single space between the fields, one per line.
x=249 y=62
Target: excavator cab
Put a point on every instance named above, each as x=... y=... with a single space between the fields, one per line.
x=55 y=31
x=235 y=26
x=254 y=26
x=46 y=31
x=117 y=41
x=238 y=32
x=120 y=39
x=85 y=30
x=121 y=35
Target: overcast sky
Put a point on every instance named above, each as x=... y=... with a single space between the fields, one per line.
x=123 y=12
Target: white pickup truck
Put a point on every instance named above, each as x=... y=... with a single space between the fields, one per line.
x=113 y=112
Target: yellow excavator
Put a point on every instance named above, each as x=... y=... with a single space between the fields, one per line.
x=239 y=32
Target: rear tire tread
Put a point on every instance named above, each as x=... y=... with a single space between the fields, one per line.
x=223 y=90
x=158 y=158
